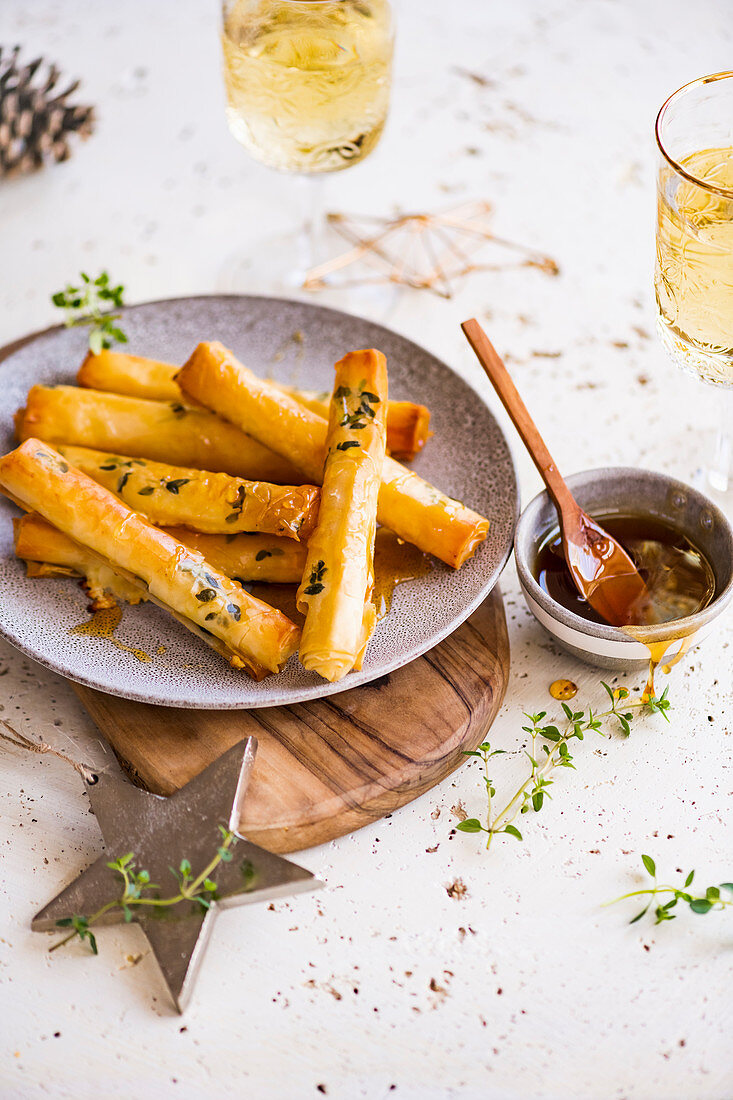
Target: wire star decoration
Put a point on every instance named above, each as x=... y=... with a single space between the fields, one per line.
x=423 y=251
x=161 y=832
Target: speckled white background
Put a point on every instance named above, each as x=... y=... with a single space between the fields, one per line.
x=382 y=984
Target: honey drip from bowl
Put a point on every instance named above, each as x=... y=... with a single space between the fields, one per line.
x=677 y=574
x=657 y=650
x=103 y=624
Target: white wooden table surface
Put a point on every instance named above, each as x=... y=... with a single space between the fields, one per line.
x=383 y=984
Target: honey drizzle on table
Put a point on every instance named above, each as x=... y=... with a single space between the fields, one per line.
x=563 y=689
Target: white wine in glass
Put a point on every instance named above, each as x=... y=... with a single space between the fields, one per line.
x=307 y=81
x=694 y=264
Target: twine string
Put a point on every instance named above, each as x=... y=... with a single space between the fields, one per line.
x=20 y=741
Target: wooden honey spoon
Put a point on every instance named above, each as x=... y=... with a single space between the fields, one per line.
x=603 y=572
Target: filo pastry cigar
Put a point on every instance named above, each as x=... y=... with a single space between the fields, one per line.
x=133 y=375
x=245 y=558
x=415 y=510
x=48 y=552
x=252 y=635
x=335 y=594
x=200 y=499
x=408 y=424
x=162 y=431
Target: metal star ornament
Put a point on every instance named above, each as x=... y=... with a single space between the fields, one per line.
x=426 y=251
x=161 y=833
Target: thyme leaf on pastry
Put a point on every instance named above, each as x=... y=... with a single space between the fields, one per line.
x=206 y=594
x=175 y=485
x=355 y=419
x=315 y=580
x=199 y=572
x=237 y=504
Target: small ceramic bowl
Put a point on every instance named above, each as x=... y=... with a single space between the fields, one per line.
x=627 y=490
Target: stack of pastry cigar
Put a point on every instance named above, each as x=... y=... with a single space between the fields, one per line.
x=186 y=486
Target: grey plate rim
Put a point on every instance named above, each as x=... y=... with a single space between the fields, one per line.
x=305 y=695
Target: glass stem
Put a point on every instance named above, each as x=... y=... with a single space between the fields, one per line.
x=313 y=191
x=721 y=467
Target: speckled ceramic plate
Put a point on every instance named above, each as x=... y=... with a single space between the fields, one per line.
x=36 y=616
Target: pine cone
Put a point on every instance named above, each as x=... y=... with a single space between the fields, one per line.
x=35 y=124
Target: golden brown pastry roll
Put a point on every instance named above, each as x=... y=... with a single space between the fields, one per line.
x=335 y=594
x=47 y=552
x=410 y=506
x=248 y=558
x=132 y=375
x=244 y=558
x=254 y=636
x=165 y=432
x=408 y=424
x=408 y=429
x=199 y=499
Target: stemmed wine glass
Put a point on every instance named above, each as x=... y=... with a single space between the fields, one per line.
x=308 y=86
x=694 y=265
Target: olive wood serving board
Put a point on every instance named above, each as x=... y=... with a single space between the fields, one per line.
x=331 y=765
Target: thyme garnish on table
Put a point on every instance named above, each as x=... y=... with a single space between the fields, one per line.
x=698 y=903
x=93 y=303
x=549 y=749
x=136 y=888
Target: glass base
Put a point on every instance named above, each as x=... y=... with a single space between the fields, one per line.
x=275 y=265
x=717 y=372
x=713 y=368
x=278 y=265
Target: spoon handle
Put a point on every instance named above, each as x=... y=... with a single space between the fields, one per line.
x=499 y=377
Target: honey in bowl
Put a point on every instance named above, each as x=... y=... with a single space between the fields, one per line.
x=677 y=574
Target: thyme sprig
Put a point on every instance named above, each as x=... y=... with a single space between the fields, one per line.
x=698 y=903
x=136 y=885
x=545 y=758
x=93 y=303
